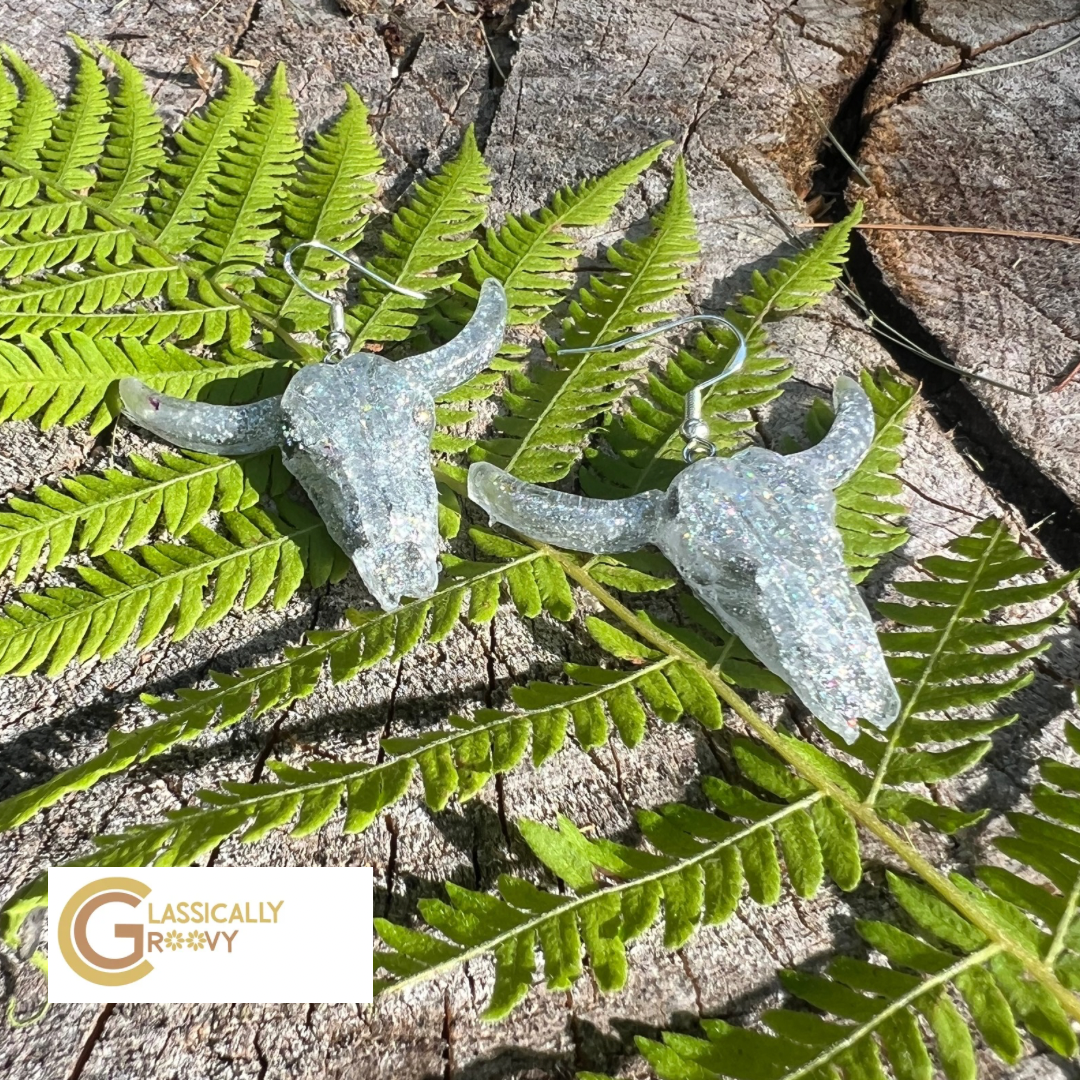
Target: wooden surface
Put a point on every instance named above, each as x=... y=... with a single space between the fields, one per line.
x=591 y=82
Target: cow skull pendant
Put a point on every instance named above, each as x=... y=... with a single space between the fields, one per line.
x=357 y=435
x=754 y=537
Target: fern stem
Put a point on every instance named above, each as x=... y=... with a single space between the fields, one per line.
x=865 y=815
x=127 y=223
x=939 y=647
x=578 y=902
x=942 y=978
x=1064 y=924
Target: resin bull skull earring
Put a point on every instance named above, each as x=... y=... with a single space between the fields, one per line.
x=355 y=430
x=754 y=537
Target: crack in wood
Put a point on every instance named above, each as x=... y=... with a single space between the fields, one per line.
x=247 y=21
x=391 y=863
x=391 y=710
x=1013 y=477
x=91 y=1040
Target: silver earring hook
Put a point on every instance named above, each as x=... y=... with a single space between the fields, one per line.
x=338 y=339
x=694 y=428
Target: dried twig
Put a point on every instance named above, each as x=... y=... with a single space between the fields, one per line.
x=1001 y=67
x=975 y=230
x=809 y=101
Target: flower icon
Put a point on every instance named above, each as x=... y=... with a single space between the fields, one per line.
x=194 y=940
x=173 y=940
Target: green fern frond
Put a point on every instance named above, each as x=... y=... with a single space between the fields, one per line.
x=953 y=652
x=244 y=206
x=457 y=760
x=193 y=585
x=189 y=321
x=899 y=1019
x=9 y=99
x=329 y=200
x=80 y=292
x=119 y=510
x=1048 y=843
x=422 y=241
x=868 y=512
x=529 y=254
x=31 y=122
x=549 y=410
x=944 y=980
x=800 y=282
x=471 y=589
x=49 y=219
x=645 y=440
x=133 y=151
x=32 y=252
x=66 y=378
x=695 y=871
x=17 y=908
x=186 y=179
x=77 y=138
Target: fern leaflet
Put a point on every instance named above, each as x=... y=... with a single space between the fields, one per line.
x=244 y=206
x=431 y=230
x=119 y=509
x=696 y=872
x=645 y=439
x=374 y=636
x=132 y=599
x=31 y=123
x=949 y=655
x=530 y=255
x=549 y=410
x=77 y=138
x=68 y=378
x=896 y=1019
x=329 y=200
x=133 y=152
x=867 y=510
x=185 y=182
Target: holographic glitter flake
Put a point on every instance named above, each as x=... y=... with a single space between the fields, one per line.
x=754 y=537
x=357 y=436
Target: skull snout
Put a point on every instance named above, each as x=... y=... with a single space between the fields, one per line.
x=357 y=438
x=391 y=572
x=827 y=646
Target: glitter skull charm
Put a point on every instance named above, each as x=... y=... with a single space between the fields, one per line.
x=754 y=536
x=356 y=434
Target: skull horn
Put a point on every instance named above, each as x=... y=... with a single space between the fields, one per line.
x=194 y=425
x=568 y=521
x=454 y=363
x=849 y=439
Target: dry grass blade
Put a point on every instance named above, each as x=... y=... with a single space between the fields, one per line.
x=1002 y=67
x=970 y=230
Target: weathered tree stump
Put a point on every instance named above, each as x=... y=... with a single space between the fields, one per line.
x=739 y=89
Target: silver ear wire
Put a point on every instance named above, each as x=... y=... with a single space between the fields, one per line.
x=694 y=428
x=338 y=339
